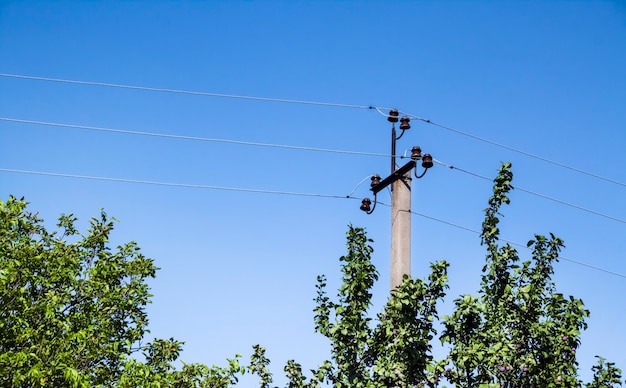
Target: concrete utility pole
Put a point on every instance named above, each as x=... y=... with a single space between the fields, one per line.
x=400 y=181
x=400 y=229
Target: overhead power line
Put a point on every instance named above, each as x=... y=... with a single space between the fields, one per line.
x=183 y=137
x=275 y=192
x=329 y=104
x=158 y=183
x=521 y=245
x=451 y=167
x=180 y=91
x=301 y=148
x=517 y=150
x=305 y=102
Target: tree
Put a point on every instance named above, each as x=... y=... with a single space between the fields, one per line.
x=73 y=310
x=396 y=352
x=72 y=314
x=519 y=331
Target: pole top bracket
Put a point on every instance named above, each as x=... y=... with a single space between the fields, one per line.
x=399 y=173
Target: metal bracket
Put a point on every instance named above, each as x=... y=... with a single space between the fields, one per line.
x=399 y=173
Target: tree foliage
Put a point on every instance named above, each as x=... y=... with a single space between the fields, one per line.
x=73 y=314
x=73 y=310
x=395 y=352
x=520 y=331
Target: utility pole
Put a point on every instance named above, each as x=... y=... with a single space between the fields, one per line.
x=400 y=181
x=400 y=229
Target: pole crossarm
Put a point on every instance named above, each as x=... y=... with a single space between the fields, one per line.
x=398 y=174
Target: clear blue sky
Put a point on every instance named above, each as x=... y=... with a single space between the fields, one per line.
x=239 y=268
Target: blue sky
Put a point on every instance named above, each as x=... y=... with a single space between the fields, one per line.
x=239 y=268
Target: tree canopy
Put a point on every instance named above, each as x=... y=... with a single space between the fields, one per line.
x=72 y=313
x=519 y=331
x=73 y=310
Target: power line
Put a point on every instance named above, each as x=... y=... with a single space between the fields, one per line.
x=180 y=91
x=302 y=148
x=275 y=192
x=158 y=183
x=510 y=242
x=183 y=137
x=523 y=246
x=339 y=105
x=517 y=150
x=451 y=167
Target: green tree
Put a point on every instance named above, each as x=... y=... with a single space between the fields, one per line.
x=73 y=310
x=520 y=332
x=73 y=314
x=605 y=374
x=394 y=353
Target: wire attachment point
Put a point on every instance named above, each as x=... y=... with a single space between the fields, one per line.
x=427 y=163
x=366 y=205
